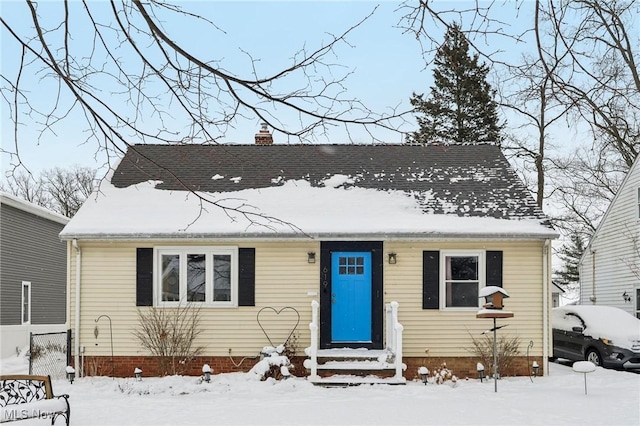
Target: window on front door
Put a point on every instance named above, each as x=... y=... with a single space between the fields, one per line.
x=351 y=265
x=461 y=281
x=198 y=275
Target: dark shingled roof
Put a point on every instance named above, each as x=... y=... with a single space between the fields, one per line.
x=465 y=180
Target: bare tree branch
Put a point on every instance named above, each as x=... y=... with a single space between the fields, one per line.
x=123 y=70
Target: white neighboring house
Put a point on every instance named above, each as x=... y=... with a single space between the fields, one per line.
x=556 y=294
x=610 y=265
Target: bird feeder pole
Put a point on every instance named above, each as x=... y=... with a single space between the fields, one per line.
x=493 y=309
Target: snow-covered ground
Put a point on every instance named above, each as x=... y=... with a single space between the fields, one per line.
x=241 y=399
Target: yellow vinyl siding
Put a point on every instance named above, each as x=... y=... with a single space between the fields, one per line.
x=285 y=278
x=448 y=332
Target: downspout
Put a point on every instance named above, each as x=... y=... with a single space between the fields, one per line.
x=76 y=334
x=592 y=298
x=545 y=304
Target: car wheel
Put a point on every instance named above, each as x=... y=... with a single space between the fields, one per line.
x=594 y=357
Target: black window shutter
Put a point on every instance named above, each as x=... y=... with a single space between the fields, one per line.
x=247 y=277
x=144 y=277
x=494 y=268
x=430 y=279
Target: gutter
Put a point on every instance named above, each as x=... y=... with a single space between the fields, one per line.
x=26 y=206
x=327 y=236
x=546 y=264
x=76 y=333
x=592 y=298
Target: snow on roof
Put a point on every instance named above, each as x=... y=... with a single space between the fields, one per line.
x=295 y=208
x=492 y=289
x=223 y=191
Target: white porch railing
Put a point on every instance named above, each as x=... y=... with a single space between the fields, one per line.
x=393 y=339
x=311 y=363
x=394 y=336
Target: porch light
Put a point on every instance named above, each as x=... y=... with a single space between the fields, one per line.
x=284 y=370
x=71 y=373
x=424 y=373
x=138 y=373
x=206 y=373
x=480 y=369
x=393 y=259
x=311 y=257
x=536 y=369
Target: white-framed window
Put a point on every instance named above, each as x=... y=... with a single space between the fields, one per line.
x=203 y=275
x=26 y=302
x=462 y=276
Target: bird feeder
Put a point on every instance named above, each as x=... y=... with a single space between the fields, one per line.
x=493 y=308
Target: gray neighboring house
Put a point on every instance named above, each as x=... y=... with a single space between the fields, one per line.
x=33 y=273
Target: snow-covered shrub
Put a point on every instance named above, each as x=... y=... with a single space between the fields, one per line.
x=437 y=375
x=274 y=358
x=291 y=346
x=271 y=363
x=442 y=374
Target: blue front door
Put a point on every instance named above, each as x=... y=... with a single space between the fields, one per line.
x=351 y=297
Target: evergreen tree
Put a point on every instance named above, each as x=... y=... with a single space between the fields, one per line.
x=570 y=254
x=461 y=108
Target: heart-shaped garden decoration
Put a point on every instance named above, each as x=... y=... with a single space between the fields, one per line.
x=277 y=324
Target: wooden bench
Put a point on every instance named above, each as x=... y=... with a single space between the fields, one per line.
x=25 y=396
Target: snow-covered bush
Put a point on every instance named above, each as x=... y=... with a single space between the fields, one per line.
x=437 y=375
x=271 y=363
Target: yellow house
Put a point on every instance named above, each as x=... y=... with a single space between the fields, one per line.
x=355 y=257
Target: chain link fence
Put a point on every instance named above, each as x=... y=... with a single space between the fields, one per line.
x=50 y=353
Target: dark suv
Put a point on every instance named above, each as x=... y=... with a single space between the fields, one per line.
x=606 y=336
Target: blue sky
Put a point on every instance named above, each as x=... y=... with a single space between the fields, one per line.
x=386 y=64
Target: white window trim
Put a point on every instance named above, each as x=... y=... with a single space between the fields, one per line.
x=183 y=251
x=481 y=254
x=25 y=284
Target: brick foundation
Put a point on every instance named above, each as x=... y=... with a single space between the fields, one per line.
x=466 y=367
x=123 y=366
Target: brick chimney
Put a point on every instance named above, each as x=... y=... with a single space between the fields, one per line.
x=263 y=137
